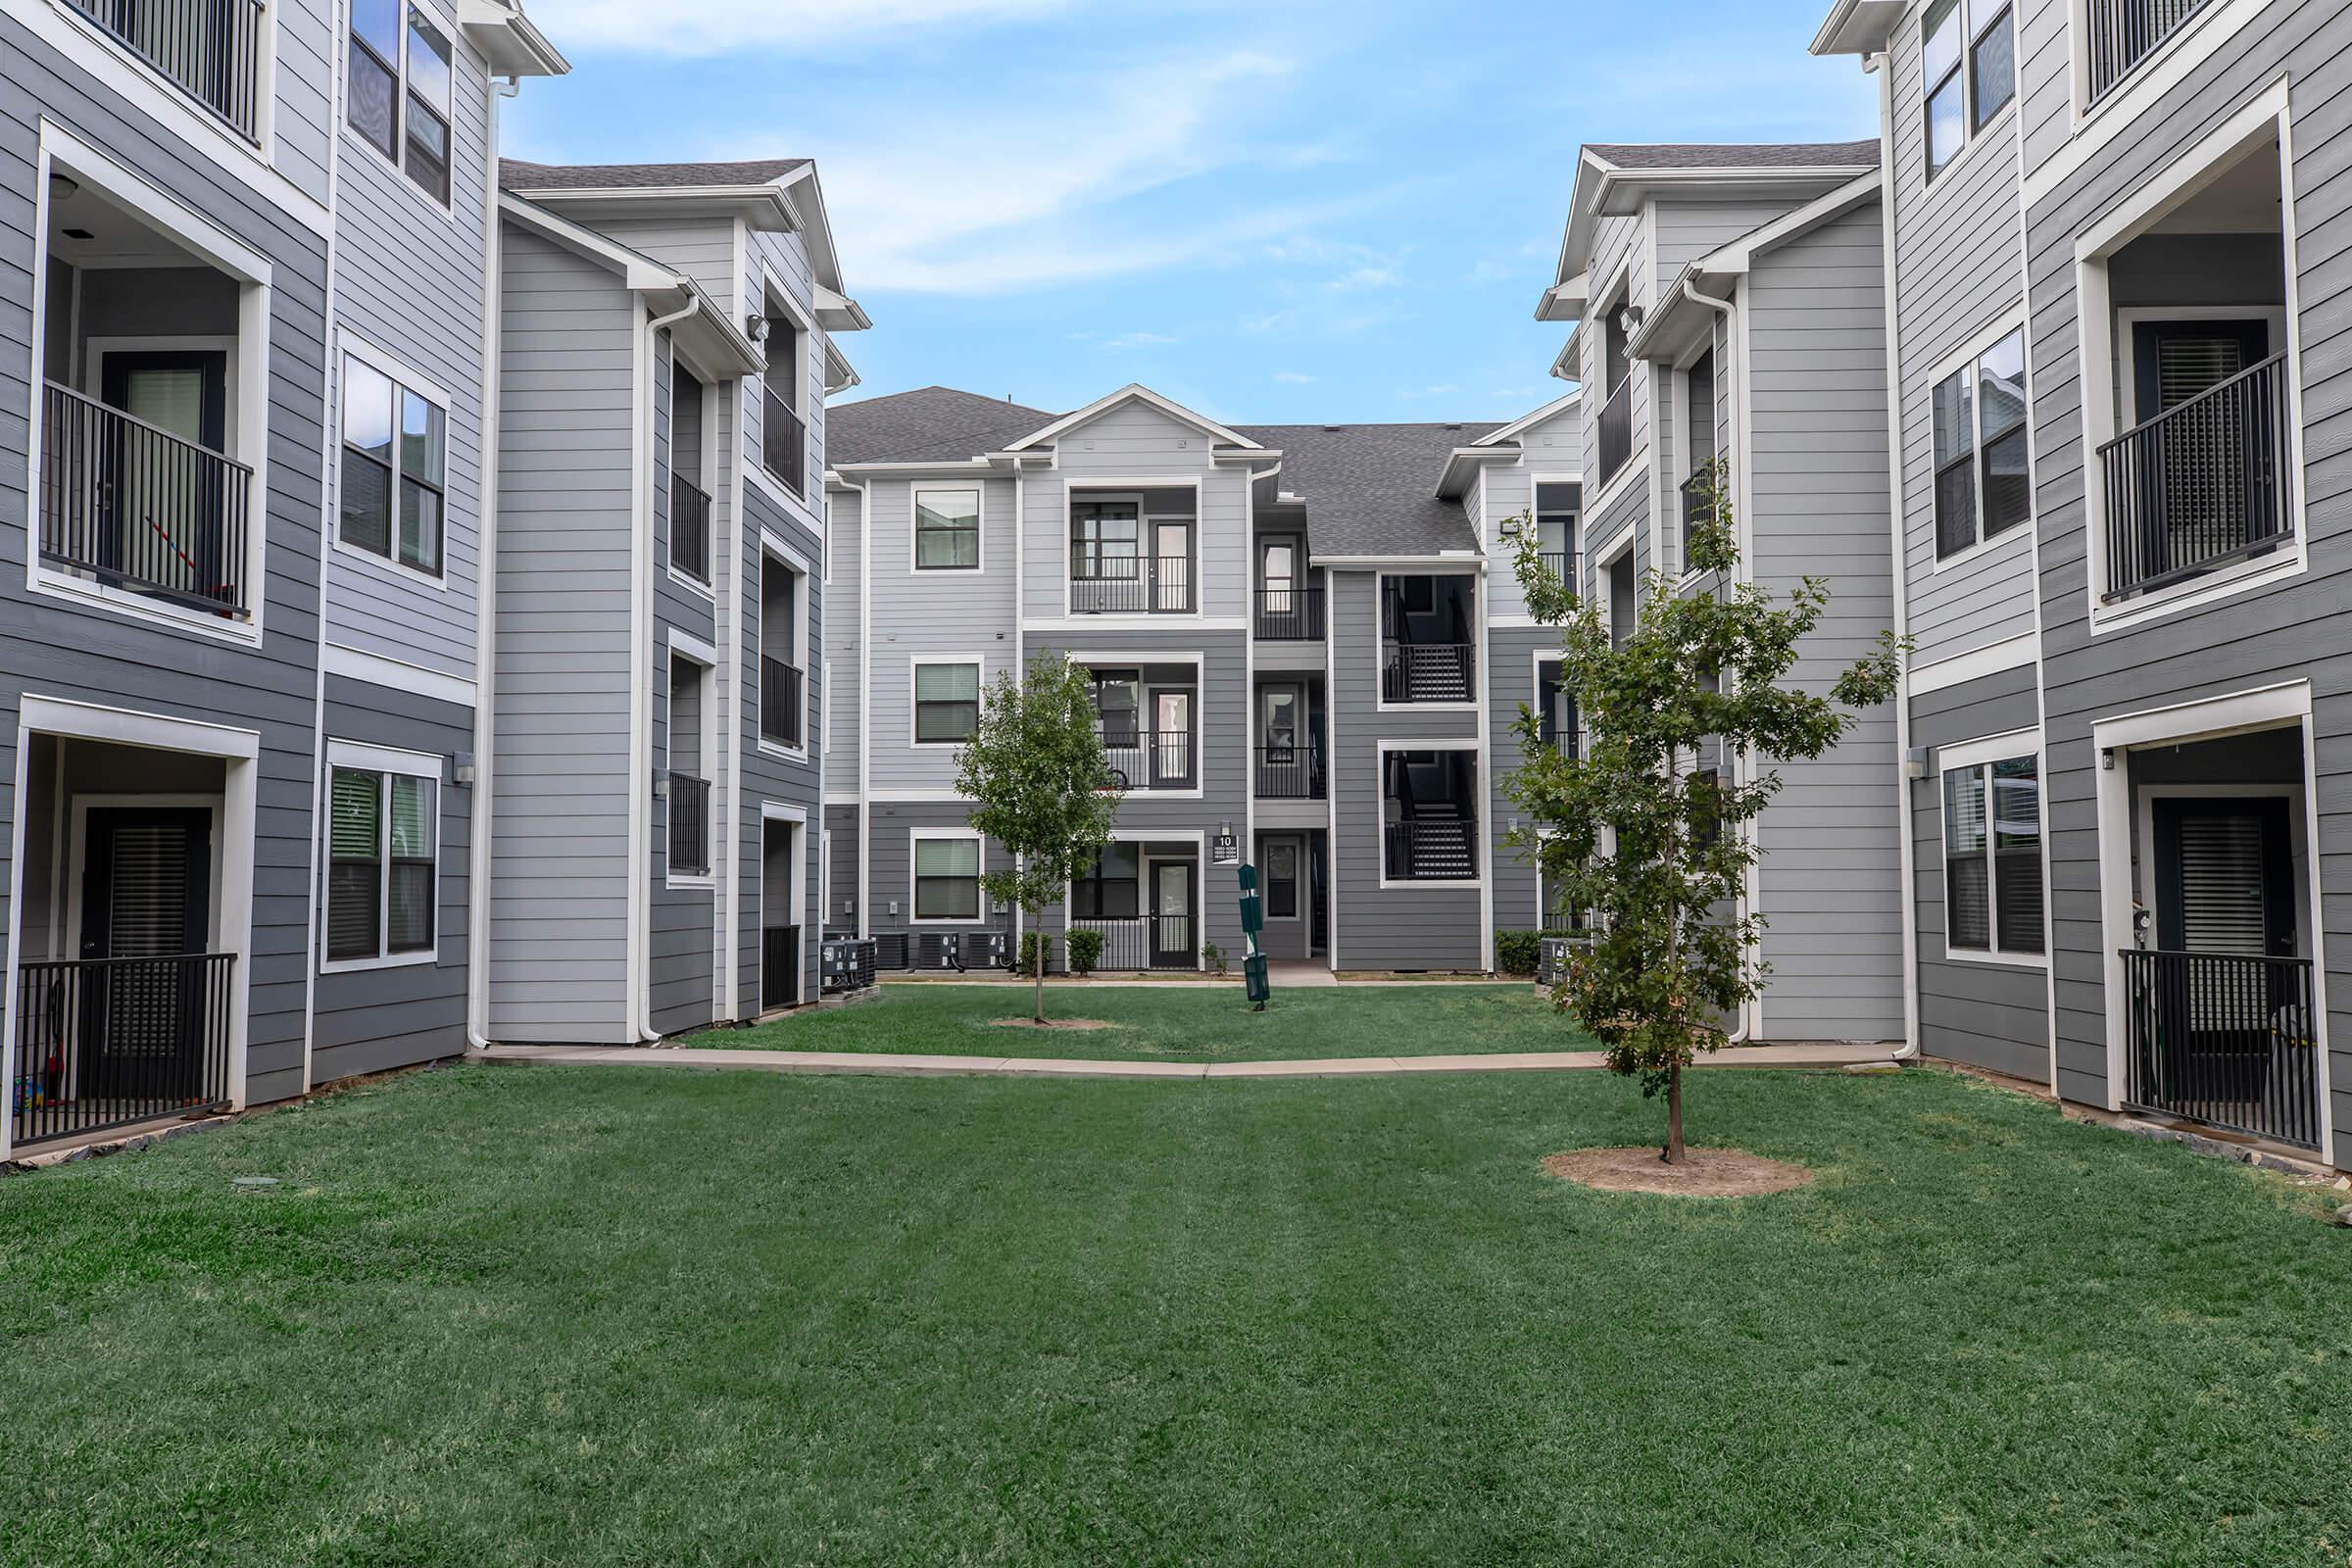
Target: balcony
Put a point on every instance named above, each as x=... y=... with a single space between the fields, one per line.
x=1428 y=849
x=779 y=967
x=1697 y=507
x=782 y=709
x=209 y=49
x=1292 y=772
x=1144 y=942
x=2207 y=482
x=1133 y=585
x=783 y=439
x=1617 y=430
x=2118 y=35
x=1428 y=672
x=1289 y=614
x=1561 y=564
x=105 y=1043
x=132 y=505
x=1152 y=760
x=690 y=528
x=2224 y=1039
x=689 y=825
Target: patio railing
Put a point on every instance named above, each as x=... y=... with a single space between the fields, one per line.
x=689 y=824
x=1429 y=673
x=132 y=505
x=1143 y=942
x=104 y=1042
x=1433 y=849
x=690 y=528
x=2206 y=482
x=2225 y=1039
x=780 y=701
x=209 y=49
x=2119 y=34
x=779 y=966
x=1152 y=760
x=1132 y=585
x=1289 y=614
x=1292 y=772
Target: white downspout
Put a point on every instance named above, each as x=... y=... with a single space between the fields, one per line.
x=1905 y=851
x=638 y=990
x=485 y=599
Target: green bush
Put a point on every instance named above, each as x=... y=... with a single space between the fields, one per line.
x=1214 y=956
x=1036 y=948
x=1521 y=951
x=1084 y=950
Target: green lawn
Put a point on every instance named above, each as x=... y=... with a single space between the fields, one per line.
x=602 y=1316
x=1180 y=1023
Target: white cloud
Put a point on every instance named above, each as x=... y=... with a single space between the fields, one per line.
x=1293 y=377
x=800 y=26
x=1140 y=340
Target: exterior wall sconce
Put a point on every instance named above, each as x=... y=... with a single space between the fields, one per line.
x=1629 y=319
x=1915 y=764
x=661 y=784
x=462 y=767
x=754 y=327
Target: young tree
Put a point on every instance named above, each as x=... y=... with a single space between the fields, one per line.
x=1041 y=786
x=1630 y=831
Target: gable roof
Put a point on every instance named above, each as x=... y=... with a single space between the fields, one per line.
x=516 y=175
x=1132 y=392
x=930 y=424
x=1367 y=486
x=1738 y=155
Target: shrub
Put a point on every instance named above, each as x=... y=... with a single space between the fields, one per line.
x=1214 y=956
x=1084 y=950
x=1520 y=952
x=1036 y=948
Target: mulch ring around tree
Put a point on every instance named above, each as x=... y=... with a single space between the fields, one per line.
x=1702 y=1173
x=1049 y=1023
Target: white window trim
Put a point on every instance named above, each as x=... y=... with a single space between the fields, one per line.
x=383 y=761
x=915 y=836
x=248 y=398
x=682 y=645
x=915 y=491
x=1129 y=489
x=2096 y=352
x=460 y=69
x=2146 y=81
x=2003 y=118
x=1481 y=787
x=401 y=377
x=1131 y=657
x=1975 y=756
x=772 y=548
x=1478 y=639
x=916 y=663
x=1981 y=343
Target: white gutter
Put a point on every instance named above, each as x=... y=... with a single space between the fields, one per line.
x=485 y=596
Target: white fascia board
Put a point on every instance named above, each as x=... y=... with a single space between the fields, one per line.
x=1740 y=253
x=513 y=43
x=1461 y=460
x=840 y=374
x=1512 y=430
x=1857 y=27
x=836 y=311
x=637 y=270
x=1565 y=301
x=1134 y=392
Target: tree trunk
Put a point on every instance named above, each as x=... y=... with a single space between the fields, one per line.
x=1672 y=1153
x=1040 y=981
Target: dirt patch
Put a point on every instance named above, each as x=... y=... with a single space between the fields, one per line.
x=1703 y=1172
x=1049 y=1023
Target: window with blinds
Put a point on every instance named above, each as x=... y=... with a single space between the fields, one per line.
x=379 y=865
x=1992 y=878
x=947 y=879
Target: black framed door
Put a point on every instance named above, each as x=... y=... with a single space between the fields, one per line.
x=2225 y=885
x=1173 y=909
x=163 y=507
x=146 y=892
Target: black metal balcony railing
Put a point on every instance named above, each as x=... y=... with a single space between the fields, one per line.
x=133 y=506
x=105 y=1043
x=848 y=964
x=689 y=824
x=209 y=49
x=2204 y=483
x=1617 y=430
x=781 y=707
x=1132 y=585
x=1561 y=564
x=1289 y=614
x=1144 y=942
x=1292 y=772
x=690 y=528
x=1559 y=737
x=1152 y=760
x=783 y=439
x=1428 y=672
x=2225 y=1039
x=2121 y=33
x=1697 y=507
x=779 y=967
x=1425 y=848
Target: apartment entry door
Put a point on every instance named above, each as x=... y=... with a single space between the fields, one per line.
x=2224 y=884
x=162 y=505
x=1172 y=739
x=1171 y=567
x=1173 y=944
x=146 y=892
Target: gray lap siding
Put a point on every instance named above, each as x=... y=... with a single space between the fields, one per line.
x=50 y=648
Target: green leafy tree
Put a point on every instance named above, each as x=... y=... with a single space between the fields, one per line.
x=1040 y=784
x=1630 y=831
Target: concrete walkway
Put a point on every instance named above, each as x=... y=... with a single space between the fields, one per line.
x=913 y=1067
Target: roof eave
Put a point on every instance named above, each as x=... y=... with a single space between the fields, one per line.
x=510 y=40
x=1462 y=462
x=1859 y=27
x=763 y=206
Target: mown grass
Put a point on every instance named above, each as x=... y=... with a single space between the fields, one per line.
x=633 y=1315
x=1179 y=1023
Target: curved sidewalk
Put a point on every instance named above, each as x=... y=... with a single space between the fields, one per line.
x=918 y=1067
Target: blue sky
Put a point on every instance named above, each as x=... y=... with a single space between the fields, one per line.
x=1271 y=211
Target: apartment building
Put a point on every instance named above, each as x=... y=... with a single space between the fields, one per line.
x=1729 y=303
x=2111 y=263
x=1301 y=640
x=307 y=776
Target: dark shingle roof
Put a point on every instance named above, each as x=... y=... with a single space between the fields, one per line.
x=1738 y=155
x=1367 y=486
x=932 y=424
x=516 y=175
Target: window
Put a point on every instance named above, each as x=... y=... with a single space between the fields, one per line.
x=1555 y=527
x=946 y=530
x=946 y=703
x=1968 y=65
x=395 y=456
x=1282 y=880
x=1992 y=857
x=380 y=870
x=1707 y=785
x=947 y=879
x=1119 y=705
x=1113 y=890
x=1105 y=540
x=412 y=127
x=1983 y=485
